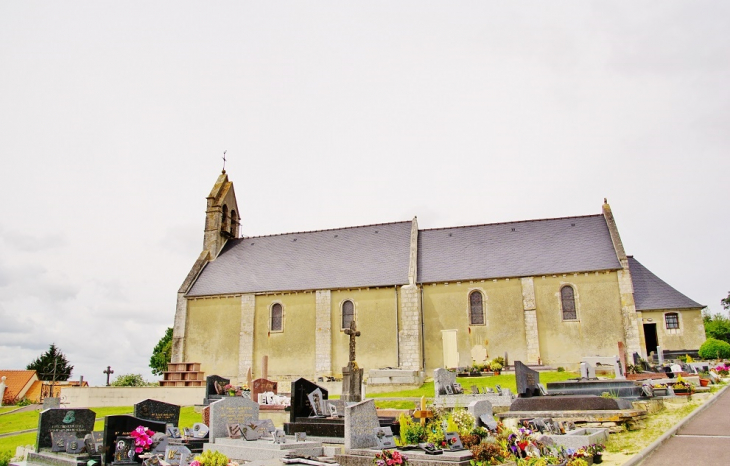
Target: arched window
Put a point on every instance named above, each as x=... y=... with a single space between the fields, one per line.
x=234 y=224
x=567 y=300
x=277 y=317
x=671 y=319
x=476 y=308
x=224 y=218
x=348 y=313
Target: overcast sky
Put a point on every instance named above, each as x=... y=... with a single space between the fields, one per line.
x=114 y=117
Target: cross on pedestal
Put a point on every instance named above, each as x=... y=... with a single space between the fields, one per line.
x=352 y=332
x=108 y=372
x=423 y=414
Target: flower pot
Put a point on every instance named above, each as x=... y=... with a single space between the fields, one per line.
x=597 y=459
x=704 y=382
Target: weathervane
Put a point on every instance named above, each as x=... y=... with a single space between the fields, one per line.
x=224 y=161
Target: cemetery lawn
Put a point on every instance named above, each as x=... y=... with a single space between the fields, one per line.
x=5 y=409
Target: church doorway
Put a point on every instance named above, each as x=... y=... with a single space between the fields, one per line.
x=650 y=338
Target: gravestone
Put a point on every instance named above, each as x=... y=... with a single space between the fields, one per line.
x=77 y=421
x=352 y=374
x=214 y=388
x=479 y=408
x=231 y=410
x=51 y=402
x=262 y=386
x=318 y=403
x=300 y=405
x=159 y=411
x=453 y=441
x=527 y=380
x=442 y=379
x=587 y=371
x=361 y=420
x=121 y=425
x=206 y=415
x=178 y=455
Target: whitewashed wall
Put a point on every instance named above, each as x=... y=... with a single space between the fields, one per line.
x=87 y=397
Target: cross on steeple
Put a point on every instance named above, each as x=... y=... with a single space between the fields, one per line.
x=108 y=372
x=224 y=161
x=352 y=332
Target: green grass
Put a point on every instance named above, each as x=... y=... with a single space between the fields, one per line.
x=14 y=441
x=504 y=380
x=188 y=417
x=6 y=409
x=18 y=421
x=387 y=404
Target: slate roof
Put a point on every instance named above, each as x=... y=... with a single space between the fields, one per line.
x=652 y=293
x=372 y=255
x=516 y=249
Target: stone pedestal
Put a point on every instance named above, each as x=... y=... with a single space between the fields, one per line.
x=351 y=383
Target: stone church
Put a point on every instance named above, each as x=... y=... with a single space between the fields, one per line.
x=547 y=291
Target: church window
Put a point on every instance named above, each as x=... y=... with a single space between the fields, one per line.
x=672 y=320
x=567 y=300
x=277 y=317
x=234 y=224
x=224 y=218
x=476 y=308
x=348 y=313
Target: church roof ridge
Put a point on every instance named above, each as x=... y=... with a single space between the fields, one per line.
x=325 y=230
x=512 y=222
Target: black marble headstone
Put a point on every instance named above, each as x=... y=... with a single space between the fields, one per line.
x=121 y=425
x=300 y=406
x=210 y=385
x=160 y=411
x=527 y=380
x=78 y=421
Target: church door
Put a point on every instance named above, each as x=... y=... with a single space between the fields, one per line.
x=451 y=351
x=650 y=338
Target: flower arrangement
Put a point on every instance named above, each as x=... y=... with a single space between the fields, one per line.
x=596 y=449
x=723 y=370
x=142 y=439
x=390 y=458
x=212 y=458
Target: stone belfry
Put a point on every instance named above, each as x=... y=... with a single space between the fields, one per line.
x=221 y=216
x=221 y=224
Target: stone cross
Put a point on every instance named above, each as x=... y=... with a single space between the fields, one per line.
x=423 y=414
x=108 y=372
x=352 y=331
x=224 y=160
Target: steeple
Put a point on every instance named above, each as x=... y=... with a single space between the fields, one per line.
x=221 y=216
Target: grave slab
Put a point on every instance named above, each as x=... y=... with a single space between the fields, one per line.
x=78 y=421
x=263 y=449
x=230 y=410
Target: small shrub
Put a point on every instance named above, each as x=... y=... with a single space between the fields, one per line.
x=714 y=349
x=5 y=457
x=561 y=369
x=489 y=453
x=411 y=433
x=24 y=402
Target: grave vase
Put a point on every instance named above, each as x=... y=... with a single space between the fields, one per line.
x=597 y=459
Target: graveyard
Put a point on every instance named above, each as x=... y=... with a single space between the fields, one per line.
x=511 y=418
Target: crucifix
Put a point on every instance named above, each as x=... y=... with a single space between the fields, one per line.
x=423 y=414
x=108 y=372
x=352 y=331
x=224 y=160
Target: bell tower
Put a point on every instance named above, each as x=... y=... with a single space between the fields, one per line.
x=221 y=216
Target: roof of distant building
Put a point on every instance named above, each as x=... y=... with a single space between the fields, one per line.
x=17 y=382
x=653 y=293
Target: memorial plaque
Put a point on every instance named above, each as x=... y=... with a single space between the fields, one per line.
x=234 y=431
x=251 y=431
x=453 y=441
x=527 y=380
x=300 y=404
x=123 y=451
x=214 y=386
x=317 y=402
x=172 y=431
x=300 y=436
x=177 y=455
x=160 y=411
x=60 y=439
x=94 y=442
x=384 y=436
x=200 y=430
x=77 y=421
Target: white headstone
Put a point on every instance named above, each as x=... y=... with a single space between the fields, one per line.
x=2 y=389
x=660 y=355
x=361 y=420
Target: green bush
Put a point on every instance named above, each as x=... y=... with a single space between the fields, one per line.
x=561 y=369
x=5 y=457
x=714 y=349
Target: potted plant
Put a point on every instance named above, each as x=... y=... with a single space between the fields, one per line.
x=596 y=450
x=496 y=367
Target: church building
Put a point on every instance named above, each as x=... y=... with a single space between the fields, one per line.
x=548 y=291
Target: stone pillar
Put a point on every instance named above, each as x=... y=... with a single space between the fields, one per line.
x=409 y=338
x=530 y=315
x=245 y=342
x=323 y=334
x=178 y=329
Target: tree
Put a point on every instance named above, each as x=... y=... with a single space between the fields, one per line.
x=162 y=354
x=51 y=365
x=130 y=380
x=726 y=302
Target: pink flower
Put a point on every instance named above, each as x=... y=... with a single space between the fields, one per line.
x=194 y=463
